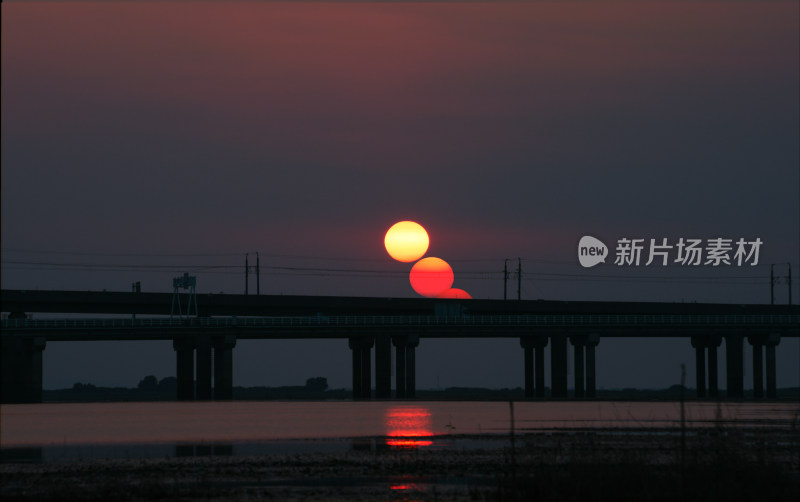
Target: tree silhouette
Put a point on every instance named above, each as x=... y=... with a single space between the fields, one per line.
x=317 y=384
x=148 y=383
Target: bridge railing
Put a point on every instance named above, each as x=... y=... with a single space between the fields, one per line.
x=410 y=320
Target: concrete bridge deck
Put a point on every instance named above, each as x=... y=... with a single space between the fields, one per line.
x=204 y=345
x=109 y=302
x=479 y=326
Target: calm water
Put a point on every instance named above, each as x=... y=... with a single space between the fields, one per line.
x=161 y=428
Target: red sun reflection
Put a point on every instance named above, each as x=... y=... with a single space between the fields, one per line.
x=406 y=485
x=408 y=427
x=431 y=276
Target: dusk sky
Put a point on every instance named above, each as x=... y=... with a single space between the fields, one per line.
x=144 y=140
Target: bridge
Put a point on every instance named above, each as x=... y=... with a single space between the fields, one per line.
x=204 y=345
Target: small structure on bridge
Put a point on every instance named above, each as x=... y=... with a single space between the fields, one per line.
x=184 y=282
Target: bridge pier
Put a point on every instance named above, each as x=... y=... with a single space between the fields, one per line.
x=585 y=379
x=405 y=366
x=184 y=367
x=411 y=367
x=759 y=343
x=577 y=351
x=354 y=345
x=699 y=365
x=22 y=369
x=772 y=380
x=366 y=368
x=734 y=355
x=203 y=362
x=383 y=367
x=223 y=367
x=713 y=383
x=592 y=341
x=701 y=344
x=195 y=357
x=533 y=347
x=400 y=367
x=558 y=365
x=362 y=367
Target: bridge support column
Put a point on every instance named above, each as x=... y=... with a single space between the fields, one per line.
x=713 y=385
x=22 y=369
x=735 y=366
x=355 y=348
x=184 y=367
x=399 y=343
x=699 y=345
x=585 y=379
x=591 y=379
x=578 y=342
x=362 y=366
x=411 y=367
x=37 y=346
x=405 y=367
x=529 y=388
x=366 y=367
x=383 y=367
x=757 y=343
x=539 y=371
x=558 y=365
x=533 y=347
x=772 y=341
x=223 y=367
x=203 y=360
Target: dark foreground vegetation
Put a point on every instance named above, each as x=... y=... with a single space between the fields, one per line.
x=722 y=463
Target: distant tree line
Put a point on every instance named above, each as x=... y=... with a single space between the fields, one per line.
x=150 y=388
x=152 y=384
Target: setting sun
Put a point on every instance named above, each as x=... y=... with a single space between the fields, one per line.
x=431 y=276
x=406 y=241
x=454 y=293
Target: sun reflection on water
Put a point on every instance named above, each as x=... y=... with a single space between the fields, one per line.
x=408 y=427
x=407 y=488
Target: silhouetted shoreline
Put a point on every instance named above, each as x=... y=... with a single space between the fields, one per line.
x=90 y=393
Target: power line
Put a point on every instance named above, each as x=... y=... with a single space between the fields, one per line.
x=571 y=263
x=126 y=266
x=376 y=274
x=120 y=255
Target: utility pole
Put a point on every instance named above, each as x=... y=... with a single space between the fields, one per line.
x=136 y=287
x=258 y=274
x=772 y=284
x=505 y=280
x=773 y=280
x=519 y=278
x=246 y=275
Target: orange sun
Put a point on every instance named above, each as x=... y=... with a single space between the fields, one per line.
x=406 y=241
x=431 y=276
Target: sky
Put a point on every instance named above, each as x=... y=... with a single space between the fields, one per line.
x=144 y=140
